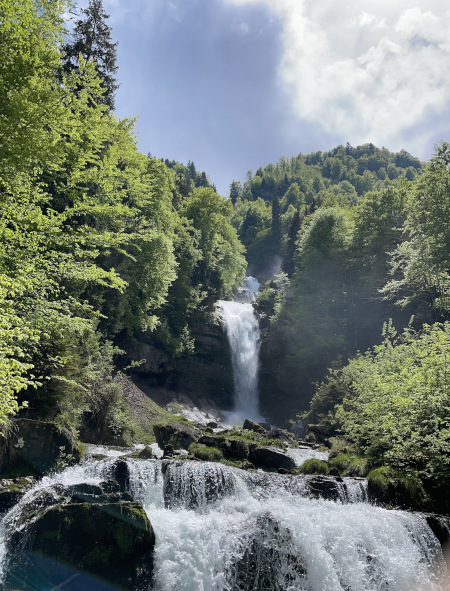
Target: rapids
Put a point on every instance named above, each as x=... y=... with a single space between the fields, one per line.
x=220 y=528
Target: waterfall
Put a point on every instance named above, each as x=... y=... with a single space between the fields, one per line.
x=242 y=329
x=219 y=528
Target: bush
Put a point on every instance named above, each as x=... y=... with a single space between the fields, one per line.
x=313 y=466
x=205 y=453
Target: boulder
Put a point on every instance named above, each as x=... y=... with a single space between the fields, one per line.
x=255 y=427
x=70 y=543
x=12 y=490
x=40 y=445
x=271 y=458
x=177 y=435
x=325 y=487
x=282 y=435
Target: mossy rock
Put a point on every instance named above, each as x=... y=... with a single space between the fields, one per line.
x=114 y=541
x=394 y=488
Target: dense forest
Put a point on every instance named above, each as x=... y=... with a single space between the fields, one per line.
x=98 y=242
x=101 y=245
x=362 y=243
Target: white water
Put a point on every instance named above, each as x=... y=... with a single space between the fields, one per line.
x=222 y=529
x=242 y=329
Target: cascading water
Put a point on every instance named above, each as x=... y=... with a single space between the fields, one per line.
x=223 y=529
x=242 y=329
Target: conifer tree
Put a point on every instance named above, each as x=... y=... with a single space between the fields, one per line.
x=92 y=39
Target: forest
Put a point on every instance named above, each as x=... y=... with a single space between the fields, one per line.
x=101 y=245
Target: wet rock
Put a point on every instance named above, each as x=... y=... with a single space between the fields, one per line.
x=212 y=440
x=168 y=451
x=146 y=453
x=212 y=425
x=177 y=435
x=66 y=543
x=255 y=427
x=237 y=448
x=12 y=490
x=271 y=458
x=121 y=474
x=270 y=560
x=325 y=487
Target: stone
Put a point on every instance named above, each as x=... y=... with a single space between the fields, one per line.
x=325 y=487
x=168 y=451
x=212 y=424
x=146 y=453
x=255 y=427
x=177 y=435
x=271 y=458
x=282 y=435
x=112 y=541
x=40 y=445
x=12 y=490
x=121 y=472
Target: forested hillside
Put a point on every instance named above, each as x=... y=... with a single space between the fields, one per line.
x=361 y=268
x=98 y=242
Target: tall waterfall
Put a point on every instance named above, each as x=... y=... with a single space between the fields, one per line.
x=223 y=529
x=242 y=329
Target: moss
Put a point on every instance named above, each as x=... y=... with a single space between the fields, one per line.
x=314 y=466
x=205 y=453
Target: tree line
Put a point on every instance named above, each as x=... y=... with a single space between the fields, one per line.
x=99 y=244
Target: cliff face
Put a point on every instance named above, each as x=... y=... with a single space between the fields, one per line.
x=205 y=374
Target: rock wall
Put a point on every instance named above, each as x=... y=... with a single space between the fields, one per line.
x=205 y=374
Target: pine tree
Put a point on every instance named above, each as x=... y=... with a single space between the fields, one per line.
x=92 y=39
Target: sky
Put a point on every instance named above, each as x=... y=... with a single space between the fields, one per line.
x=235 y=84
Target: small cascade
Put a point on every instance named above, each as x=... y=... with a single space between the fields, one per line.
x=219 y=528
x=242 y=329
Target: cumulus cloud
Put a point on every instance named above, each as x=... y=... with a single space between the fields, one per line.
x=372 y=71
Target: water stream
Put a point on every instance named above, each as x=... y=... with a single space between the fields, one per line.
x=242 y=329
x=223 y=529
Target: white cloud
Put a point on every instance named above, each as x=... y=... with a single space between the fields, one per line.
x=369 y=71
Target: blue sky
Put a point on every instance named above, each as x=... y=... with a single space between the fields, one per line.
x=235 y=84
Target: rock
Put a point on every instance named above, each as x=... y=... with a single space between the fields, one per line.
x=237 y=448
x=146 y=453
x=177 y=435
x=298 y=428
x=282 y=435
x=212 y=425
x=40 y=445
x=112 y=541
x=265 y=426
x=168 y=451
x=121 y=473
x=267 y=561
x=247 y=466
x=325 y=487
x=255 y=427
x=271 y=458
x=11 y=491
x=231 y=448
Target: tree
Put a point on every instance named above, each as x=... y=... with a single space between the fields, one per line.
x=92 y=39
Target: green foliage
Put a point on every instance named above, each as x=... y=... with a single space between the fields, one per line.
x=92 y=40
x=96 y=242
x=397 y=409
x=313 y=466
x=205 y=453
